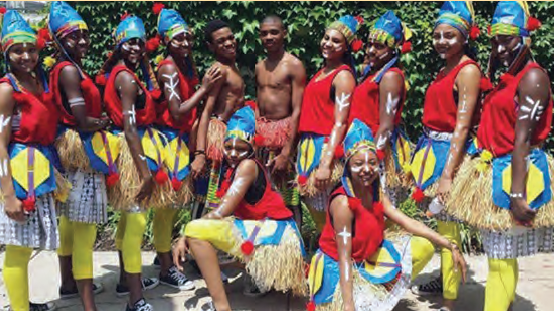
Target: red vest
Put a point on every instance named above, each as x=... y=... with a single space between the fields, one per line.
x=500 y=112
x=38 y=116
x=144 y=116
x=318 y=109
x=270 y=206
x=185 y=91
x=365 y=103
x=367 y=230
x=91 y=94
x=440 y=109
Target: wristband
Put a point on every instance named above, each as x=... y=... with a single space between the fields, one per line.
x=516 y=195
x=197 y=152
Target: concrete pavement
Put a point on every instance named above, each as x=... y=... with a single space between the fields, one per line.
x=535 y=289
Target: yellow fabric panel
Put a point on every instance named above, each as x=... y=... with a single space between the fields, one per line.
x=428 y=167
x=267 y=228
x=100 y=150
x=150 y=149
x=315 y=276
x=380 y=256
x=535 y=182
x=403 y=150
x=41 y=168
x=307 y=148
x=218 y=232
x=171 y=154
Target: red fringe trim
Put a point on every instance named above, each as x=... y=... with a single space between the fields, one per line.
x=273 y=134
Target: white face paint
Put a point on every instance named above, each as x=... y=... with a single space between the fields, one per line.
x=384 y=55
x=234 y=151
x=12 y=58
x=342 y=101
x=4 y=122
x=174 y=44
x=171 y=85
x=442 y=56
x=371 y=49
x=24 y=45
x=69 y=44
x=500 y=48
x=365 y=165
x=517 y=46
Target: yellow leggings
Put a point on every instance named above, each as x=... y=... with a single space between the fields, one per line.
x=81 y=252
x=128 y=240
x=163 y=228
x=16 y=278
x=422 y=252
x=450 y=278
x=502 y=280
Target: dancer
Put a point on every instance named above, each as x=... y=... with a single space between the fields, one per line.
x=507 y=191
x=450 y=113
x=359 y=266
x=324 y=117
x=252 y=223
x=80 y=106
x=379 y=99
x=144 y=182
x=27 y=155
x=280 y=81
x=176 y=114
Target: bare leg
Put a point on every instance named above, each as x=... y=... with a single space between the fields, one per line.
x=122 y=273
x=206 y=258
x=87 y=294
x=165 y=263
x=66 y=269
x=134 y=282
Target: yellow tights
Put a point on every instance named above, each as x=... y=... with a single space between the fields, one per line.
x=450 y=278
x=128 y=240
x=81 y=251
x=163 y=228
x=502 y=280
x=16 y=278
x=422 y=252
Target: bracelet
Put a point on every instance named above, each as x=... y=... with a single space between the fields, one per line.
x=516 y=195
x=197 y=152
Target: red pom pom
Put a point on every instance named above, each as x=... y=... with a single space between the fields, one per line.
x=380 y=155
x=310 y=306
x=29 y=204
x=489 y=29
x=485 y=84
x=157 y=7
x=302 y=180
x=406 y=47
x=359 y=19
x=161 y=177
x=40 y=43
x=176 y=184
x=418 y=195
x=156 y=94
x=100 y=80
x=259 y=140
x=153 y=44
x=44 y=33
x=506 y=78
x=533 y=24
x=125 y=15
x=2 y=10
x=474 y=32
x=112 y=179
x=339 y=152
x=357 y=45
x=251 y=104
x=247 y=248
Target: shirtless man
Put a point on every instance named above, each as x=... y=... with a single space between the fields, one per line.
x=225 y=97
x=280 y=81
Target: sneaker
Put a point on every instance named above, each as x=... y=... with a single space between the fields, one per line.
x=140 y=305
x=156 y=262
x=209 y=306
x=251 y=289
x=432 y=288
x=177 y=279
x=42 y=306
x=147 y=284
x=97 y=288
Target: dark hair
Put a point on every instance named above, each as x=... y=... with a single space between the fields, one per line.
x=212 y=27
x=274 y=19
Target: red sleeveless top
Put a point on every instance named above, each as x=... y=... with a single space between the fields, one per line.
x=271 y=205
x=144 y=115
x=91 y=94
x=367 y=230
x=365 y=102
x=318 y=109
x=500 y=112
x=185 y=91
x=35 y=119
x=440 y=108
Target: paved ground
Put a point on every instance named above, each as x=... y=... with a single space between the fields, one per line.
x=536 y=287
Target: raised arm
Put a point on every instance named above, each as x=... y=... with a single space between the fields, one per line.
x=391 y=91
x=467 y=82
x=70 y=81
x=128 y=89
x=344 y=84
x=12 y=205
x=533 y=96
x=245 y=175
x=343 y=219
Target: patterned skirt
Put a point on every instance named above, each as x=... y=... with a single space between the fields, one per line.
x=40 y=231
x=88 y=199
x=517 y=242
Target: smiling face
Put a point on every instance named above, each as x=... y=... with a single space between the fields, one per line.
x=181 y=44
x=133 y=51
x=363 y=167
x=333 y=45
x=272 y=35
x=448 y=41
x=223 y=44
x=378 y=54
x=77 y=44
x=505 y=48
x=23 y=57
x=236 y=150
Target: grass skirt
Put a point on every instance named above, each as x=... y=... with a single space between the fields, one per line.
x=272 y=134
x=396 y=183
x=215 y=138
x=71 y=151
x=308 y=189
x=471 y=199
x=122 y=195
